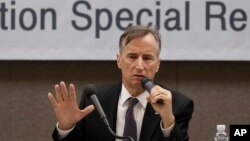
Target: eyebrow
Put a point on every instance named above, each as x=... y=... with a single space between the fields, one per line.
x=146 y=55
x=131 y=53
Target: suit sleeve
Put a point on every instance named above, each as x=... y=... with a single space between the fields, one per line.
x=183 y=109
x=78 y=133
x=182 y=118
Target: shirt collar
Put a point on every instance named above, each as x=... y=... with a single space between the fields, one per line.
x=142 y=98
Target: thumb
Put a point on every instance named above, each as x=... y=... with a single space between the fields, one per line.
x=87 y=110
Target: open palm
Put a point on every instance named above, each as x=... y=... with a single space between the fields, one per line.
x=65 y=106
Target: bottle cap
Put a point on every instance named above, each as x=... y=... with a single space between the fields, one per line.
x=221 y=127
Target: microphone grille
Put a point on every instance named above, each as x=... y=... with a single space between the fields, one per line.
x=89 y=90
x=144 y=81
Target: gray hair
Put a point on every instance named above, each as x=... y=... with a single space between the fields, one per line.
x=133 y=32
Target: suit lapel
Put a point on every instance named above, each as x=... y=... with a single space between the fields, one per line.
x=150 y=123
x=150 y=120
x=110 y=106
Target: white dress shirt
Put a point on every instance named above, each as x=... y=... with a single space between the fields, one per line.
x=139 y=110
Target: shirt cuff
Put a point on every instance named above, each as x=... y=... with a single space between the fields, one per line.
x=166 y=132
x=63 y=133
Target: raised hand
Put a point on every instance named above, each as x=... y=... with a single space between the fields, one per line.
x=65 y=106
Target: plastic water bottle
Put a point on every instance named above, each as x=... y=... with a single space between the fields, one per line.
x=221 y=135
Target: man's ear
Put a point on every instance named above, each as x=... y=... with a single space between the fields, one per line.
x=158 y=65
x=118 y=60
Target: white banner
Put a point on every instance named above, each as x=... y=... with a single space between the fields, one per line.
x=90 y=30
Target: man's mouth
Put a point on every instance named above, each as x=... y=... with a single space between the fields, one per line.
x=139 y=76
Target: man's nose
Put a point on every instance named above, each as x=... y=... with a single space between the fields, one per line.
x=139 y=64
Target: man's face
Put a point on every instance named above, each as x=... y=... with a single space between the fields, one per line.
x=137 y=59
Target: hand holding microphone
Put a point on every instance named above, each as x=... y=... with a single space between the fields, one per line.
x=148 y=84
x=158 y=94
x=161 y=101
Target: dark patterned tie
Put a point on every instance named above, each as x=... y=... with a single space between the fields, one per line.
x=130 y=128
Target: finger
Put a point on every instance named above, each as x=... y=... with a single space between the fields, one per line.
x=52 y=100
x=156 y=90
x=64 y=91
x=58 y=93
x=87 y=110
x=153 y=99
x=72 y=92
x=158 y=97
x=155 y=93
x=150 y=100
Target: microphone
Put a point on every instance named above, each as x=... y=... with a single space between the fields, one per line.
x=148 y=84
x=90 y=91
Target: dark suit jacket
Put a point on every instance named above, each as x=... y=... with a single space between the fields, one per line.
x=91 y=128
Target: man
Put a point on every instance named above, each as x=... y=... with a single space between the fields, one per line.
x=140 y=48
